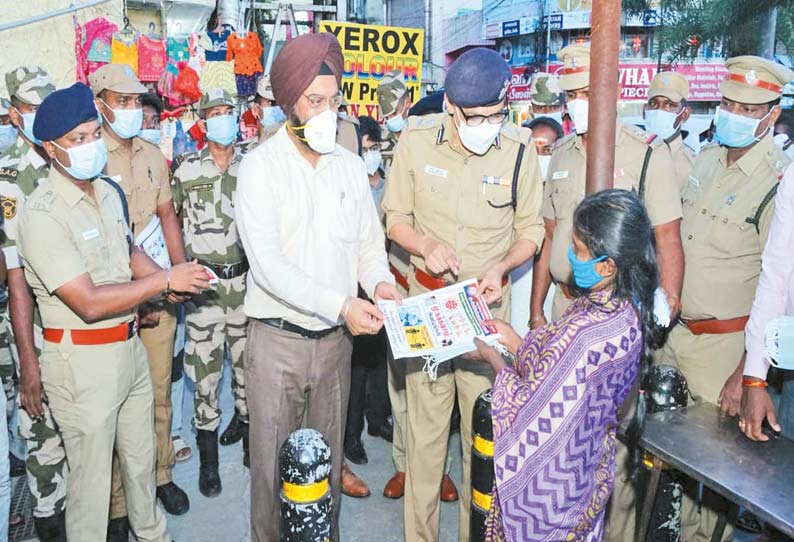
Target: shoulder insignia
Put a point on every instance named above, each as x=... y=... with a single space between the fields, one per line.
x=8 y=174
x=426 y=122
x=347 y=118
x=42 y=200
x=9 y=206
x=566 y=141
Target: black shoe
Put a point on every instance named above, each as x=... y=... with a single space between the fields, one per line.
x=384 y=431
x=356 y=453
x=17 y=466
x=234 y=431
x=246 y=448
x=174 y=499
x=119 y=530
x=209 y=478
x=53 y=528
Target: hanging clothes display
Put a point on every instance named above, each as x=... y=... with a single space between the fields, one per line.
x=218 y=75
x=124 y=49
x=178 y=50
x=96 y=44
x=187 y=82
x=246 y=52
x=81 y=60
x=215 y=45
x=196 y=51
x=152 y=58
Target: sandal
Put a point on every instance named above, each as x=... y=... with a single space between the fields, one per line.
x=182 y=449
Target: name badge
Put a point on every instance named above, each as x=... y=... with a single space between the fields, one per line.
x=559 y=175
x=498 y=181
x=436 y=172
x=90 y=234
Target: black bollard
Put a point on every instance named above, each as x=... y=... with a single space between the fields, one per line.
x=665 y=389
x=482 y=470
x=306 y=503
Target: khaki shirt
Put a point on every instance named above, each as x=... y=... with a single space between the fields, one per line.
x=63 y=234
x=722 y=250
x=565 y=187
x=683 y=159
x=143 y=175
x=438 y=189
x=206 y=195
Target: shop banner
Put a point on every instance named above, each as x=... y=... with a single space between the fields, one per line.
x=371 y=51
x=704 y=81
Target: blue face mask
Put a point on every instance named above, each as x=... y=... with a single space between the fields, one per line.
x=555 y=116
x=222 y=129
x=584 y=273
x=734 y=130
x=128 y=122
x=152 y=135
x=29 y=119
x=272 y=116
x=661 y=123
x=8 y=134
x=396 y=124
x=87 y=161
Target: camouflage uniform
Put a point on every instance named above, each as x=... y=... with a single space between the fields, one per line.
x=21 y=170
x=215 y=320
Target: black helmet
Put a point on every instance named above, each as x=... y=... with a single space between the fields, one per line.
x=665 y=389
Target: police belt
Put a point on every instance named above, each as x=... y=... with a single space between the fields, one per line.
x=280 y=323
x=228 y=271
x=93 y=337
x=712 y=326
x=434 y=283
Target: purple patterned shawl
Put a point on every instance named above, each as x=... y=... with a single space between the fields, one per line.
x=555 y=418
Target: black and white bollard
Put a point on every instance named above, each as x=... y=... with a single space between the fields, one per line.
x=665 y=389
x=482 y=470
x=306 y=503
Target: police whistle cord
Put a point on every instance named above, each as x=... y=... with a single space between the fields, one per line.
x=306 y=502
x=482 y=469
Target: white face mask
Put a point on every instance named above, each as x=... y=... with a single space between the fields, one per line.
x=578 y=110
x=662 y=123
x=372 y=159
x=478 y=139
x=320 y=132
x=543 y=161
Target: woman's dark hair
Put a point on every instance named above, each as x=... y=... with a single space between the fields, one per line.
x=369 y=128
x=614 y=223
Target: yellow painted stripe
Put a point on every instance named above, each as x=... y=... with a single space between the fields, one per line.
x=305 y=493
x=484 y=447
x=483 y=500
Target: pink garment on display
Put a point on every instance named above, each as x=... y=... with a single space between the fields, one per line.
x=152 y=58
x=81 y=64
x=96 y=43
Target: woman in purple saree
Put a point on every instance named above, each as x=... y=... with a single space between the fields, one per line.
x=555 y=412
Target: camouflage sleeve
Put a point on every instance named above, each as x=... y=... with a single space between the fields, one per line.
x=177 y=194
x=163 y=178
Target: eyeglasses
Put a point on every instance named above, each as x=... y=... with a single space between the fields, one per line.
x=476 y=120
x=317 y=101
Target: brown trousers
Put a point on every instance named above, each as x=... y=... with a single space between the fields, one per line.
x=294 y=383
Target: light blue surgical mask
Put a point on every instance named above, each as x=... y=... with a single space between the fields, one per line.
x=222 y=129
x=584 y=272
x=152 y=135
x=396 y=123
x=661 y=123
x=734 y=130
x=272 y=116
x=8 y=134
x=87 y=161
x=128 y=122
x=555 y=116
x=28 y=119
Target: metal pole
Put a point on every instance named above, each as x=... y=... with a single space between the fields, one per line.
x=51 y=14
x=548 y=34
x=602 y=117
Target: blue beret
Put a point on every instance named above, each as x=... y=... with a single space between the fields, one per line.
x=64 y=110
x=478 y=77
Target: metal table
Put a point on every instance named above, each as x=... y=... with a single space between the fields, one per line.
x=709 y=448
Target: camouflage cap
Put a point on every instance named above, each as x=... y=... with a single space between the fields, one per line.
x=4 y=105
x=545 y=90
x=575 y=72
x=29 y=84
x=671 y=85
x=754 y=80
x=116 y=78
x=390 y=89
x=265 y=89
x=215 y=97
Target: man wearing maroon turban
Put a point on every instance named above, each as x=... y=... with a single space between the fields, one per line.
x=311 y=234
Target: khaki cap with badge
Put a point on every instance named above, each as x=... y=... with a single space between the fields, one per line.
x=265 y=89
x=575 y=72
x=671 y=85
x=390 y=89
x=754 y=80
x=116 y=78
x=29 y=84
x=545 y=90
x=215 y=97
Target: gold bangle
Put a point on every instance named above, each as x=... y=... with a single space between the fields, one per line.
x=752 y=383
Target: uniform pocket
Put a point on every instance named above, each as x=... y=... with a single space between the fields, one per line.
x=731 y=231
x=201 y=207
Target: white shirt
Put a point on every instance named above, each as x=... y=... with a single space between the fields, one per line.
x=310 y=235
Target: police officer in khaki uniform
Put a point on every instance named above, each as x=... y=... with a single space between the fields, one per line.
x=463 y=197
x=565 y=188
x=665 y=113
x=141 y=170
x=728 y=207
x=93 y=366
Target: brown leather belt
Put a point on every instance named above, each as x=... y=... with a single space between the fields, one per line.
x=712 y=326
x=565 y=289
x=401 y=279
x=434 y=283
x=93 y=337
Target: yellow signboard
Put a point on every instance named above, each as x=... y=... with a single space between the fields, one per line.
x=370 y=52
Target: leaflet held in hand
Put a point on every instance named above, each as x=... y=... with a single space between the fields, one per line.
x=152 y=241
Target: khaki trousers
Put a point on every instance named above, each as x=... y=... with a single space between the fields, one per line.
x=300 y=383
x=429 y=406
x=159 y=344
x=101 y=396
